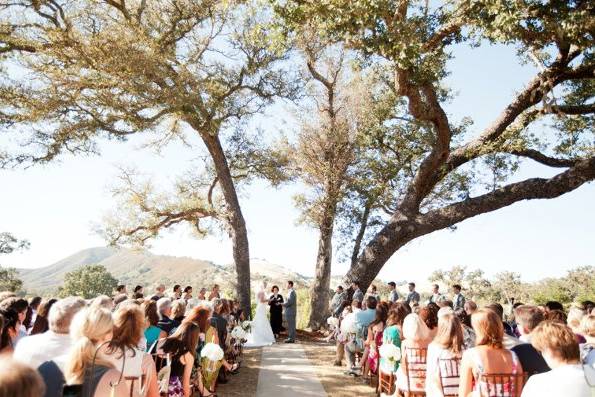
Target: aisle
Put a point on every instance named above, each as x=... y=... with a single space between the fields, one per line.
x=286 y=371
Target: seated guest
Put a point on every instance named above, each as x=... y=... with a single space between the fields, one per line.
x=182 y=347
x=499 y=310
x=178 y=309
x=588 y=348
x=448 y=344
x=8 y=336
x=364 y=317
x=119 y=299
x=393 y=333
x=129 y=324
x=21 y=307
x=17 y=379
x=345 y=326
x=429 y=315
x=90 y=329
x=468 y=333
x=34 y=304
x=488 y=356
x=527 y=318
x=102 y=301
x=557 y=343
x=553 y=305
x=152 y=331
x=41 y=323
x=36 y=349
x=164 y=312
x=575 y=315
x=374 y=340
x=470 y=307
x=219 y=322
x=556 y=315
x=416 y=335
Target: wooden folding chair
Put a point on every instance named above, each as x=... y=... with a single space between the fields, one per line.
x=386 y=382
x=502 y=385
x=414 y=367
x=449 y=375
x=131 y=381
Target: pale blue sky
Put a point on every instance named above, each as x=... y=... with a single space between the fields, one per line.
x=54 y=206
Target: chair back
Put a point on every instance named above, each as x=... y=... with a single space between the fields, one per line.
x=501 y=384
x=414 y=367
x=386 y=382
x=448 y=374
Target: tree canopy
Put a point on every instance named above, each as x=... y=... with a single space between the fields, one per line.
x=88 y=282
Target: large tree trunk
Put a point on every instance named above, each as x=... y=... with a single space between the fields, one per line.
x=319 y=298
x=235 y=219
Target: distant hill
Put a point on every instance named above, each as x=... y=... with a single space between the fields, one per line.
x=132 y=267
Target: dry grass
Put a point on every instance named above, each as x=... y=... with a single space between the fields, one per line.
x=245 y=382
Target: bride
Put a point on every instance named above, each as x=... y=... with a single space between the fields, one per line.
x=261 y=333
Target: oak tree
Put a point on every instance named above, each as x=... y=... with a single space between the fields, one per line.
x=416 y=38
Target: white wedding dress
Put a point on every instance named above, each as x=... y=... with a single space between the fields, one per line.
x=261 y=333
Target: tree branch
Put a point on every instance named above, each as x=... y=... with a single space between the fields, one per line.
x=536 y=188
x=544 y=159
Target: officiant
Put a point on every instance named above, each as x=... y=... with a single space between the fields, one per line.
x=275 y=302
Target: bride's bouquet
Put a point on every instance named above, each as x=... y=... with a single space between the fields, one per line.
x=211 y=357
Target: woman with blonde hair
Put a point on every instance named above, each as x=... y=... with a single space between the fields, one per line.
x=90 y=329
x=138 y=366
x=416 y=338
x=487 y=357
x=573 y=320
x=443 y=355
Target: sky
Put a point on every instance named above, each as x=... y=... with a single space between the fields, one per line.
x=56 y=206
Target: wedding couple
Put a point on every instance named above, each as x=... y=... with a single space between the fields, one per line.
x=261 y=333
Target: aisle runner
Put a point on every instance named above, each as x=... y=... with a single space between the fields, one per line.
x=286 y=371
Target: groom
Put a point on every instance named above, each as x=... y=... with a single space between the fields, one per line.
x=290 y=312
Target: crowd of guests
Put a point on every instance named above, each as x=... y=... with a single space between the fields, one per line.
x=123 y=345
x=448 y=346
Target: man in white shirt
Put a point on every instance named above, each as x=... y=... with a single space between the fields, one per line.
x=436 y=295
x=557 y=343
x=34 y=350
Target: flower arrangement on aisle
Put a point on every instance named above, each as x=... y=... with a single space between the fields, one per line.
x=238 y=333
x=333 y=322
x=211 y=357
x=391 y=355
x=247 y=326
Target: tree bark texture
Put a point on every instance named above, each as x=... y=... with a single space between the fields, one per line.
x=319 y=298
x=235 y=219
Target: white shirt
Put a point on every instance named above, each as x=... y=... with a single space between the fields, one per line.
x=34 y=350
x=566 y=381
